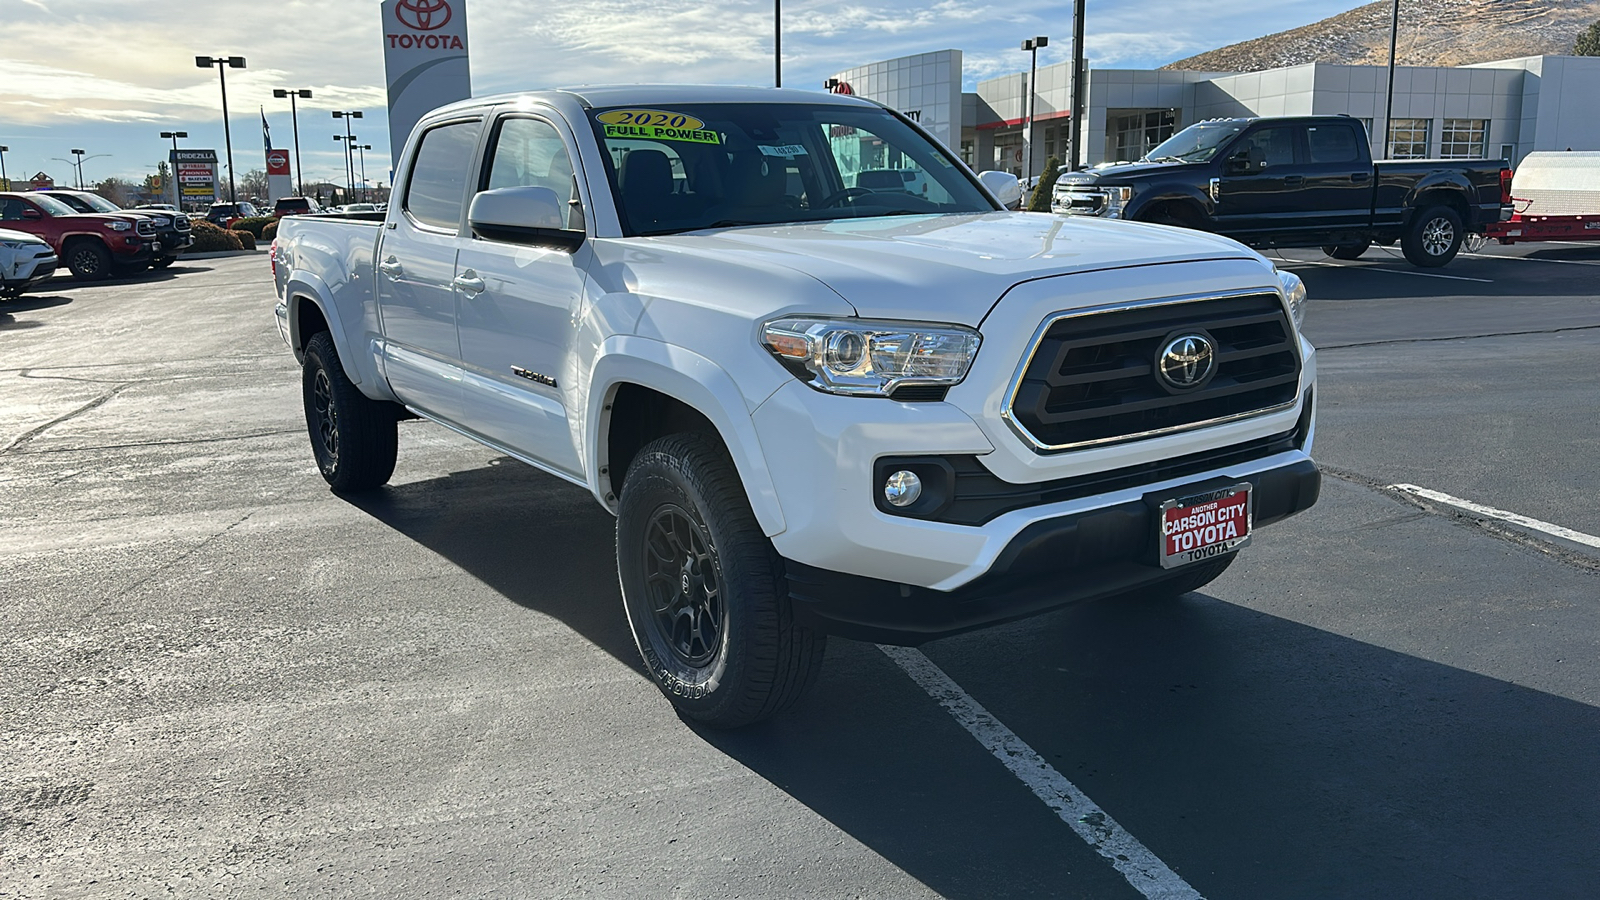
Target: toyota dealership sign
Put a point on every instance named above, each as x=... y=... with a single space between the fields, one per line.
x=425 y=59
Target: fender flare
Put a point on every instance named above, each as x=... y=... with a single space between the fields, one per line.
x=695 y=381
x=1166 y=193
x=305 y=287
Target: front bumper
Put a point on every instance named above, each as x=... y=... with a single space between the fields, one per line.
x=1089 y=555
x=28 y=272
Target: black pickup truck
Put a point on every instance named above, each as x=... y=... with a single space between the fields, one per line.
x=1301 y=181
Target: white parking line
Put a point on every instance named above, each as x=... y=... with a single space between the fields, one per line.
x=1361 y=268
x=1564 y=262
x=1147 y=873
x=1566 y=534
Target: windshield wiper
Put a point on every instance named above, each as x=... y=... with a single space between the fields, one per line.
x=1176 y=159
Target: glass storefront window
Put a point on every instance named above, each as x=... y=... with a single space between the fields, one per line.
x=1408 y=138
x=1463 y=138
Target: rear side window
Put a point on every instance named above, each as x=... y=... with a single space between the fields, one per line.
x=439 y=175
x=1332 y=144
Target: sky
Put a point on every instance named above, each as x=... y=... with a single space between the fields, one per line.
x=109 y=77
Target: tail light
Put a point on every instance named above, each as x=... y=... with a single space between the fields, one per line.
x=1505 y=186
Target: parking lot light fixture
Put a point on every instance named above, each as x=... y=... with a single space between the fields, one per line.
x=177 y=199
x=349 y=145
x=294 y=116
x=222 y=64
x=3 y=178
x=364 y=148
x=1032 y=45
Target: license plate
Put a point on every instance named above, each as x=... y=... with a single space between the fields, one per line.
x=1204 y=526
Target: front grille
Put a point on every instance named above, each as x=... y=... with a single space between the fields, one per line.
x=144 y=227
x=1080 y=203
x=183 y=223
x=1092 y=377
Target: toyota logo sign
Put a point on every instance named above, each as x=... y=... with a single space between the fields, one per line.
x=423 y=15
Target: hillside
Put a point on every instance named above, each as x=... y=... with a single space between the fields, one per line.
x=1432 y=33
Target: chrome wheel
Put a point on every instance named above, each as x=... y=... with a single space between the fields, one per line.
x=327 y=416
x=683 y=587
x=1438 y=236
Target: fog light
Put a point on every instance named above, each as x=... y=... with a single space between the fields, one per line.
x=903 y=488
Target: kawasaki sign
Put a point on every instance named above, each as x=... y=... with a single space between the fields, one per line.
x=425 y=60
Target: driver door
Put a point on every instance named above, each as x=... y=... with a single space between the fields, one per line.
x=1257 y=191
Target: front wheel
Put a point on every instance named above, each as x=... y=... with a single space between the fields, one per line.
x=353 y=437
x=1433 y=238
x=89 y=260
x=704 y=589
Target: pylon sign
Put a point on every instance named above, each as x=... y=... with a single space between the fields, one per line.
x=425 y=61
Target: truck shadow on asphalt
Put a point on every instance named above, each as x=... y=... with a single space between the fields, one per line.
x=27 y=303
x=1257 y=756
x=542 y=543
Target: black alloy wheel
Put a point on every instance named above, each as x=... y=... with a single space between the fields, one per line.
x=1433 y=238
x=89 y=260
x=683 y=580
x=353 y=437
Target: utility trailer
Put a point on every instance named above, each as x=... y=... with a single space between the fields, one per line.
x=1557 y=196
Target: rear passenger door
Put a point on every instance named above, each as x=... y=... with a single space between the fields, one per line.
x=518 y=305
x=416 y=266
x=1338 y=177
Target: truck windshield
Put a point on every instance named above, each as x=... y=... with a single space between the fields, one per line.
x=1197 y=143
x=680 y=168
x=98 y=203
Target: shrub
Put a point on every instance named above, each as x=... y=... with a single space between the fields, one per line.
x=1040 y=202
x=270 y=231
x=210 y=238
x=252 y=225
x=247 y=240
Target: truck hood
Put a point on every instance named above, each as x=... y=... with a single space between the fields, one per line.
x=1124 y=172
x=948 y=268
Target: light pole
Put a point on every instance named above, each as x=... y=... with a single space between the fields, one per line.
x=177 y=199
x=777 y=43
x=79 y=155
x=349 y=139
x=364 y=148
x=1078 y=73
x=349 y=167
x=1388 y=109
x=78 y=166
x=3 y=177
x=1032 y=45
x=223 y=63
x=294 y=115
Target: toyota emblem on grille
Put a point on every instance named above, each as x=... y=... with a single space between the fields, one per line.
x=1186 y=361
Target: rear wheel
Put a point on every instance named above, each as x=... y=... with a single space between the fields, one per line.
x=353 y=437
x=1346 y=251
x=89 y=260
x=1433 y=238
x=704 y=589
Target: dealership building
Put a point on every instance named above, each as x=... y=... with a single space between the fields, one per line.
x=1503 y=109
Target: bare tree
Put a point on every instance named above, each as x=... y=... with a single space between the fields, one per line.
x=253 y=185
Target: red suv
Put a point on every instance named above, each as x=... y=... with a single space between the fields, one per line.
x=91 y=245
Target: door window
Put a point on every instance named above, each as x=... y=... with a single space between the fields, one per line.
x=439 y=175
x=1268 y=147
x=1332 y=144
x=531 y=153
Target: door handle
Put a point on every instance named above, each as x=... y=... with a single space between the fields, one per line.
x=391 y=267
x=469 y=283
x=1360 y=177
x=1294 y=179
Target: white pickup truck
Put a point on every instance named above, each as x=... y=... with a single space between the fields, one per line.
x=814 y=407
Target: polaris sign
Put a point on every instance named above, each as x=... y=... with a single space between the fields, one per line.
x=425 y=61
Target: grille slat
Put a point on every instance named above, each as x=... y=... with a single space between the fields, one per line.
x=1092 y=378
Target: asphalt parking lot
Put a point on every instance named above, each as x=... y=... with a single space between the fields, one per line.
x=217 y=679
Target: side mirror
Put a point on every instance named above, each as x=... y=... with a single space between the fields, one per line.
x=1004 y=186
x=522 y=215
x=32 y=214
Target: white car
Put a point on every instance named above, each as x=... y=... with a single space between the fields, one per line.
x=25 y=262
x=814 y=407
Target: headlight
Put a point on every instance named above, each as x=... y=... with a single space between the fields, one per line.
x=1117 y=197
x=118 y=225
x=868 y=358
x=23 y=245
x=1294 y=290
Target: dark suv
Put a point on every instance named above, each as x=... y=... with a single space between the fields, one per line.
x=171 y=228
x=295 y=206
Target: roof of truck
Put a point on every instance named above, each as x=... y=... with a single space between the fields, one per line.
x=600 y=95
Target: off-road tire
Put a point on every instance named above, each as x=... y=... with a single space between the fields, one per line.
x=682 y=495
x=1346 y=251
x=1433 y=238
x=353 y=437
x=89 y=260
